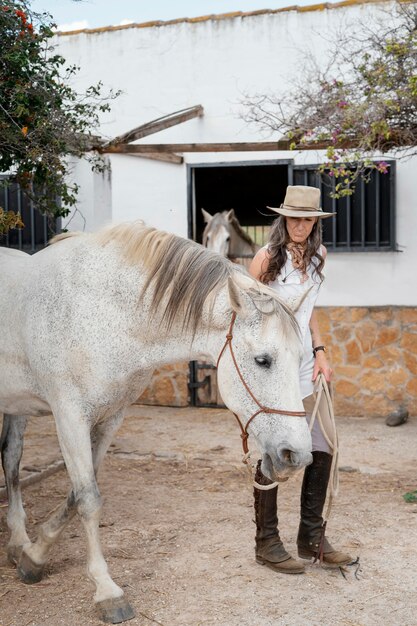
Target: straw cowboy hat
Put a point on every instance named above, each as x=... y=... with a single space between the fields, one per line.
x=301 y=201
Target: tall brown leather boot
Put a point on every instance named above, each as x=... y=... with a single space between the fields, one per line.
x=269 y=548
x=311 y=541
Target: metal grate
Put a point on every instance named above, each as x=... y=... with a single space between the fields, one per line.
x=365 y=221
x=38 y=228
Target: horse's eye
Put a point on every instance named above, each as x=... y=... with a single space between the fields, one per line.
x=227 y=239
x=263 y=361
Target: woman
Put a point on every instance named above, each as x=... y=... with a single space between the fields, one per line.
x=292 y=264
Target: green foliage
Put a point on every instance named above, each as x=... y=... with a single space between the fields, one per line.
x=410 y=496
x=42 y=118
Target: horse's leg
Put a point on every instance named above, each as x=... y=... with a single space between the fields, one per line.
x=51 y=530
x=11 y=444
x=82 y=459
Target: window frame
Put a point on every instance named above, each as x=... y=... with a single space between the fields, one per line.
x=360 y=188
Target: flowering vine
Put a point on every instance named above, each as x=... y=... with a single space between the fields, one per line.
x=42 y=118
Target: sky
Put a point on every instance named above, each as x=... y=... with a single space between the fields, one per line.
x=73 y=15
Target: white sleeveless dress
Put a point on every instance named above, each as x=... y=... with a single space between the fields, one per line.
x=290 y=288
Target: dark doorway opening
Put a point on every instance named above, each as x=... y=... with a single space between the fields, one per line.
x=247 y=187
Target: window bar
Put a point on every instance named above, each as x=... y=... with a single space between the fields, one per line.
x=6 y=206
x=393 y=234
x=305 y=176
x=348 y=222
x=19 y=209
x=377 y=207
x=32 y=223
x=362 y=214
x=334 y=217
x=45 y=230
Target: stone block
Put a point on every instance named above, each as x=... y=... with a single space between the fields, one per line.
x=372 y=362
x=344 y=387
x=396 y=394
x=409 y=342
x=342 y=333
x=359 y=313
x=347 y=406
x=339 y=314
x=353 y=352
x=324 y=320
x=411 y=387
x=387 y=335
x=410 y=361
x=408 y=315
x=168 y=387
x=381 y=314
x=373 y=381
x=376 y=405
x=335 y=354
x=397 y=376
x=348 y=371
x=366 y=335
x=390 y=355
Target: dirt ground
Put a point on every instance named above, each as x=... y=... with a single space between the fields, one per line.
x=177 y=530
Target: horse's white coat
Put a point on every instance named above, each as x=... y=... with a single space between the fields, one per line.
x=79 y=339
x=224 y=235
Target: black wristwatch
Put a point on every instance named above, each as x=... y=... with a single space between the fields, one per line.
x=317 y=348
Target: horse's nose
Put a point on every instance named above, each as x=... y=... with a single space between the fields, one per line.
x=293 y=458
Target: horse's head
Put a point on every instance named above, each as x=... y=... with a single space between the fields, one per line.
x=267 y=351
x=218 y=231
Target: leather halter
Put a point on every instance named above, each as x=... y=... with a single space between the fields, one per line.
x=262 y=409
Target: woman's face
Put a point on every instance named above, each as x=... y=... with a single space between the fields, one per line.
x=299 y=228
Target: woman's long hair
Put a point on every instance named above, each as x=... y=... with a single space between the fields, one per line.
x=277 y=250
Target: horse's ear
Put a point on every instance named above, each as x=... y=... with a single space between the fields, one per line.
x=206 y=215
x=230 y=216
x=236 y=298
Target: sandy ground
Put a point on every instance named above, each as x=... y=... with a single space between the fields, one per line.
x=177 y=530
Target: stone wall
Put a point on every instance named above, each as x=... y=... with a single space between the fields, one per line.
x=373 y=351
x=169 y=386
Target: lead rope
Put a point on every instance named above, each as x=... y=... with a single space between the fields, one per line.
x=331 y=438
x=262 y=409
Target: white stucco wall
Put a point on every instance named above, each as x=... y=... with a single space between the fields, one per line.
x=94 y=200
x=161 y=69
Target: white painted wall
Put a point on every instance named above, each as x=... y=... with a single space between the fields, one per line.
x=214 y=63
x=94 y=206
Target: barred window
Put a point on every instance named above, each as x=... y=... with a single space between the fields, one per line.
x=364 y=221
x=38 y=228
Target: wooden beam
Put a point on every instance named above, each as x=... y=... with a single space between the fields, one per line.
x=261 y=146
x=155 y=126
x=169 y=157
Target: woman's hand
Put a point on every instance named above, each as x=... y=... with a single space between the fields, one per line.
x=321 y=365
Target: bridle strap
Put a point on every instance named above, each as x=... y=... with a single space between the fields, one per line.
x=262 y=409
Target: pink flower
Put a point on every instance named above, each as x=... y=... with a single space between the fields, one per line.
x=382 y=167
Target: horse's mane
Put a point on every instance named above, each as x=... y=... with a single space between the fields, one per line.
x=242 y=233
x=182 y=273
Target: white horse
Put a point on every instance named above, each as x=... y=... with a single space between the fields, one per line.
x=223 y=234
x=84 y=323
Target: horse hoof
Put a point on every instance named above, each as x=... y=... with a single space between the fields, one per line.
x=28 y=571
x=115 y=610
x=13 y=554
